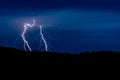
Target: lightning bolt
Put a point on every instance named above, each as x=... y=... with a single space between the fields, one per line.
x=42 y=36
x=26 y=26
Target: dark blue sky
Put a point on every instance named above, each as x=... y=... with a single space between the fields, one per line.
x=69 y=25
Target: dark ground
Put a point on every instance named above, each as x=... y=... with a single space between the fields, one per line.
x=18 y=57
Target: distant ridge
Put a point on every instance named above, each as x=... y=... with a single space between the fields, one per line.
x=15 y=56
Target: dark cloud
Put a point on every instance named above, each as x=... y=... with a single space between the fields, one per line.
x=58 y=4
x=23 y=7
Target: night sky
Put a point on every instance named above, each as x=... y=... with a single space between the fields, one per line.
x=68 y=25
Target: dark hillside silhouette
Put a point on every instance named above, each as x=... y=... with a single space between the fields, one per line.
x=14 y=56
